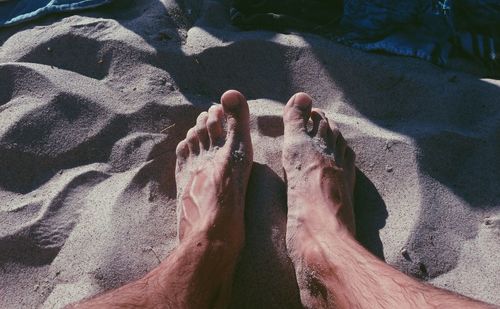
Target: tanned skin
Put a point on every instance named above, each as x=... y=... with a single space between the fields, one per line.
x=333 y=270
x=212 y=174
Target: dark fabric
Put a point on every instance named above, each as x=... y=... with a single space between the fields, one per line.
x=477 y=23
x=281 y=15
x=427 y=29
x=481 y=16
x=404 y=27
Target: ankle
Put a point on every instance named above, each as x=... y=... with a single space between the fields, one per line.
x=227 y=247
x=318 y=245
x=323 y=217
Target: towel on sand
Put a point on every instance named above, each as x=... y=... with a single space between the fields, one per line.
x=17 y=11
x=427 y=29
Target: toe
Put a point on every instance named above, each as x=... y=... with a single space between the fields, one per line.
x=320 y=124
x=238 y=144
x=193 y=142
x=214 y=124
x=340 y=149
x=337 y=142
x=316 y=118
x=297 y=112
x=237 y=114
x=202 y=131
x=235 y=108
x=182 y=152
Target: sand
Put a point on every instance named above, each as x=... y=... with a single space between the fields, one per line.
x=93 y=105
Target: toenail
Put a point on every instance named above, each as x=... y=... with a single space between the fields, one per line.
x=304 y=106
x=233 y=99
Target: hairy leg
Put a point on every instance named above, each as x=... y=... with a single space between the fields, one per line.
x=212 y=174
x=332 y=268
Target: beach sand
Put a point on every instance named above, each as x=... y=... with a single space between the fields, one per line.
x=93 y=105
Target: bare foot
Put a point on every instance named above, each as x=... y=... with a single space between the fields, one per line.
x=333 y=270
x=212 y=173
x=320 y=175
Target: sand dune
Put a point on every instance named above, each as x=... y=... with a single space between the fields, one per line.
x=92 y=107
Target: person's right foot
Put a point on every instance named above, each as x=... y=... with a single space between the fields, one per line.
x=320 y=174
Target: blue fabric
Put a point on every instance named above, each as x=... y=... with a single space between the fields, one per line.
x=427 y=29
x=422 y=28
x=17 y=11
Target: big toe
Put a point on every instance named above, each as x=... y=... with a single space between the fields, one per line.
x=237 y=115
x=297 y=113
x=235 y=108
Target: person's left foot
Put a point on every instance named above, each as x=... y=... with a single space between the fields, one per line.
x=212 y=173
